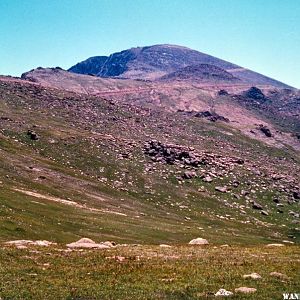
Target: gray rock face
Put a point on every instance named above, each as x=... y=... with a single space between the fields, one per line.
x=90 y=66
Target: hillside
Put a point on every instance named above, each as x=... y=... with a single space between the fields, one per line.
x=153 y=62
x=119 y=169
x=279 y=112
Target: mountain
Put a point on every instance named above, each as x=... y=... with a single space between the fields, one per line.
x=153 y=62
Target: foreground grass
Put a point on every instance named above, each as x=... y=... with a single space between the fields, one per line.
x=146 y=272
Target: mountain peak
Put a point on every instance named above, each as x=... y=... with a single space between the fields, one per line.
x=159 y=61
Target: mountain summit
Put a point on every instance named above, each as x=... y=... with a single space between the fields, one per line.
x=155 y=62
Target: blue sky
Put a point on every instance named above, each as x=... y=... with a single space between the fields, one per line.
x=262 y=35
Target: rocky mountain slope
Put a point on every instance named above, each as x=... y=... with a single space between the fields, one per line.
x=202 y=73
x=75 y=164
x=153 y=62
x=247 y=108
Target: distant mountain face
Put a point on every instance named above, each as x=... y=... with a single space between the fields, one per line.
x=91 y=66
x=153 y=62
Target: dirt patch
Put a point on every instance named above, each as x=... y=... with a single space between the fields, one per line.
x=66 y=202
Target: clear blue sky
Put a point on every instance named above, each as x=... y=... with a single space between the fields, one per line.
x=263 y=35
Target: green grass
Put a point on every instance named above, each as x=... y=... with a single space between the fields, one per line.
x=147 y=272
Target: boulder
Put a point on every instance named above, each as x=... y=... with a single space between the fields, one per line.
x=255 y=205
x=89 y=244
x=189 y=174
x=265 y=130
x=275 y=245
x=32 y=134
x=207 y=179
x=223 y=293
x=165 y=246
x=245 y=290
x=222 y=93
x=279 y=275
x=296 y=195
x=252 y=276
x=198 y=241
x=221 y=189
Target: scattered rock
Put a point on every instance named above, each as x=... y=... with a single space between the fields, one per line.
x=165 y=246
x=252 y=276
x=189 y=174
x=221 y=189
x=263 y=212
x=90 y=244
x=207 y=179
x=211 y=116
x=223 y=292
x=22 y=244
x=117 y=258
x=172 y=154
x=109 y=244
x=275 y=245
x=245 y=290
x=222 y=93
x=198 y=241
x=279 y=275
x=296 y=195
x=255 y=205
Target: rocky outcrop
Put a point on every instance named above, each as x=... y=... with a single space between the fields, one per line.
x=172 y=154
x=32 y=135
x=211 y=116
x=265 y=130
x=256 y=94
